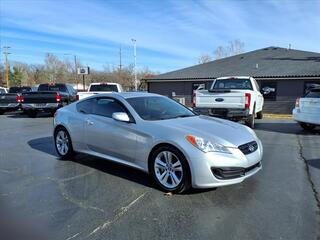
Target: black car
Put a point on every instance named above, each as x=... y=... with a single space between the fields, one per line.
x=48 y=98
x=12 y=101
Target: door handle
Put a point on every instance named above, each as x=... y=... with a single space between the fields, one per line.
x=89 y=122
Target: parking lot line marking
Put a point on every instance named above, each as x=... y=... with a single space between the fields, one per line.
x=75 y=235
x=117 y=216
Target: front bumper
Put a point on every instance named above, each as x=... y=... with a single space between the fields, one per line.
x=224 y=112
x=305 y=117
x=202 y=166
x=41 y=106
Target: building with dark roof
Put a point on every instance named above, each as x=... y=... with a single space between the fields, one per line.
x=286 y=73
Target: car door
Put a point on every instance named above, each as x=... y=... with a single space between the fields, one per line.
x=106 y=136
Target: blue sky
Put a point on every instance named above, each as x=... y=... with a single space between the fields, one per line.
x=170 y=34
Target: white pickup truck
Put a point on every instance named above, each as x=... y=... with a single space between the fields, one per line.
x=235 y=98
x=96 y=88
x=307 y=109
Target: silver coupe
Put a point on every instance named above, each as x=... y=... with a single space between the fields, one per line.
x=177 y=147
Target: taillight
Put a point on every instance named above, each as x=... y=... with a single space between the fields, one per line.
x=248 y=101
x=77 y=97
x=58 y=97
x=20 y=99
x=298 y=102
x=194 y=100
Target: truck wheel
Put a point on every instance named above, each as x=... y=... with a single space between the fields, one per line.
x=32 y=114
x=307 y=126
x=260 y=115
x=52 y=112
x=250 y=121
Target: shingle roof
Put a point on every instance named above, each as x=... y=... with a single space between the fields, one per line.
x=265 y=62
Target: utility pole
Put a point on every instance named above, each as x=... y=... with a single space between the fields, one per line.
x=75 y=68
x=6 y=53
x=120 y=59
x=135 y=63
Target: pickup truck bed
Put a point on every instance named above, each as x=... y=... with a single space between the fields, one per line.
x=34 y=102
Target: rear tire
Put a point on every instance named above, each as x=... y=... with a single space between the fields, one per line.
x=63 y=144
x=307 y=126
x=172 y=174
x=250 y=121
x=260 y=115
x=32 y=113
x=1 y=112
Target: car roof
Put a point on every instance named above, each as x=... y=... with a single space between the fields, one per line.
x=127 y=95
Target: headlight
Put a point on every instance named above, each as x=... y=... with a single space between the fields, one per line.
x=205 y=145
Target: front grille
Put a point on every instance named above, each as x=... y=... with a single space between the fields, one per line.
x=233 y=172
x=249 y=147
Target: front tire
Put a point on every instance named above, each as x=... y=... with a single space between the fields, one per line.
x=62 y=143
x=307 y=126
x=260 y=115
x=170 y=169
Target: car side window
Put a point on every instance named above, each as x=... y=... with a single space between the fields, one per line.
x=107 y=106
x=85 y=106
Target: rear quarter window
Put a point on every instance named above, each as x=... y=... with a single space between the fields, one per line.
x=85 y=106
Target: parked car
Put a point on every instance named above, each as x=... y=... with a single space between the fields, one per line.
x=11 y=101
x=161 y=137
x=3 y=90
x=307 y=109
x=235 y=98
x=96 y=88
x=48 y=98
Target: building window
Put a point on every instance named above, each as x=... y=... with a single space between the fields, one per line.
x=309 y=85
x=269 y=90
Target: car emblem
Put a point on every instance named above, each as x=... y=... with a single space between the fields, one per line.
x=219 y=99
x=251 y=148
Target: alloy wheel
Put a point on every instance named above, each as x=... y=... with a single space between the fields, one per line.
x=168 y=169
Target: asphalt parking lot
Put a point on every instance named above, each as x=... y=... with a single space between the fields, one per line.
x=90 y=198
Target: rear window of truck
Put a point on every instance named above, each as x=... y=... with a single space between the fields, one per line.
x=315 y=93
x=241 y=84
x=104 y=88
x=52 y=88
x=19 y=89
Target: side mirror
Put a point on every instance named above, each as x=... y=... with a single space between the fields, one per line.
x=121 y=117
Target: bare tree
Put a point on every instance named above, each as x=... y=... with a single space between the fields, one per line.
x=233 y=48
x=220 y=52
x=204 y=58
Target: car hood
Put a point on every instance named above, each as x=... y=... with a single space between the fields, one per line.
x=225 y=132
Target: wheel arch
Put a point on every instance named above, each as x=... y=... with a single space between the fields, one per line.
x=164 y=144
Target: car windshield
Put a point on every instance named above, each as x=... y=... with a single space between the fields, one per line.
x=19 y=89
x=243 y=84
x=315 y=93
x=2 y=91
x=104 y=88
x=53 y=87
x=159 y=108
